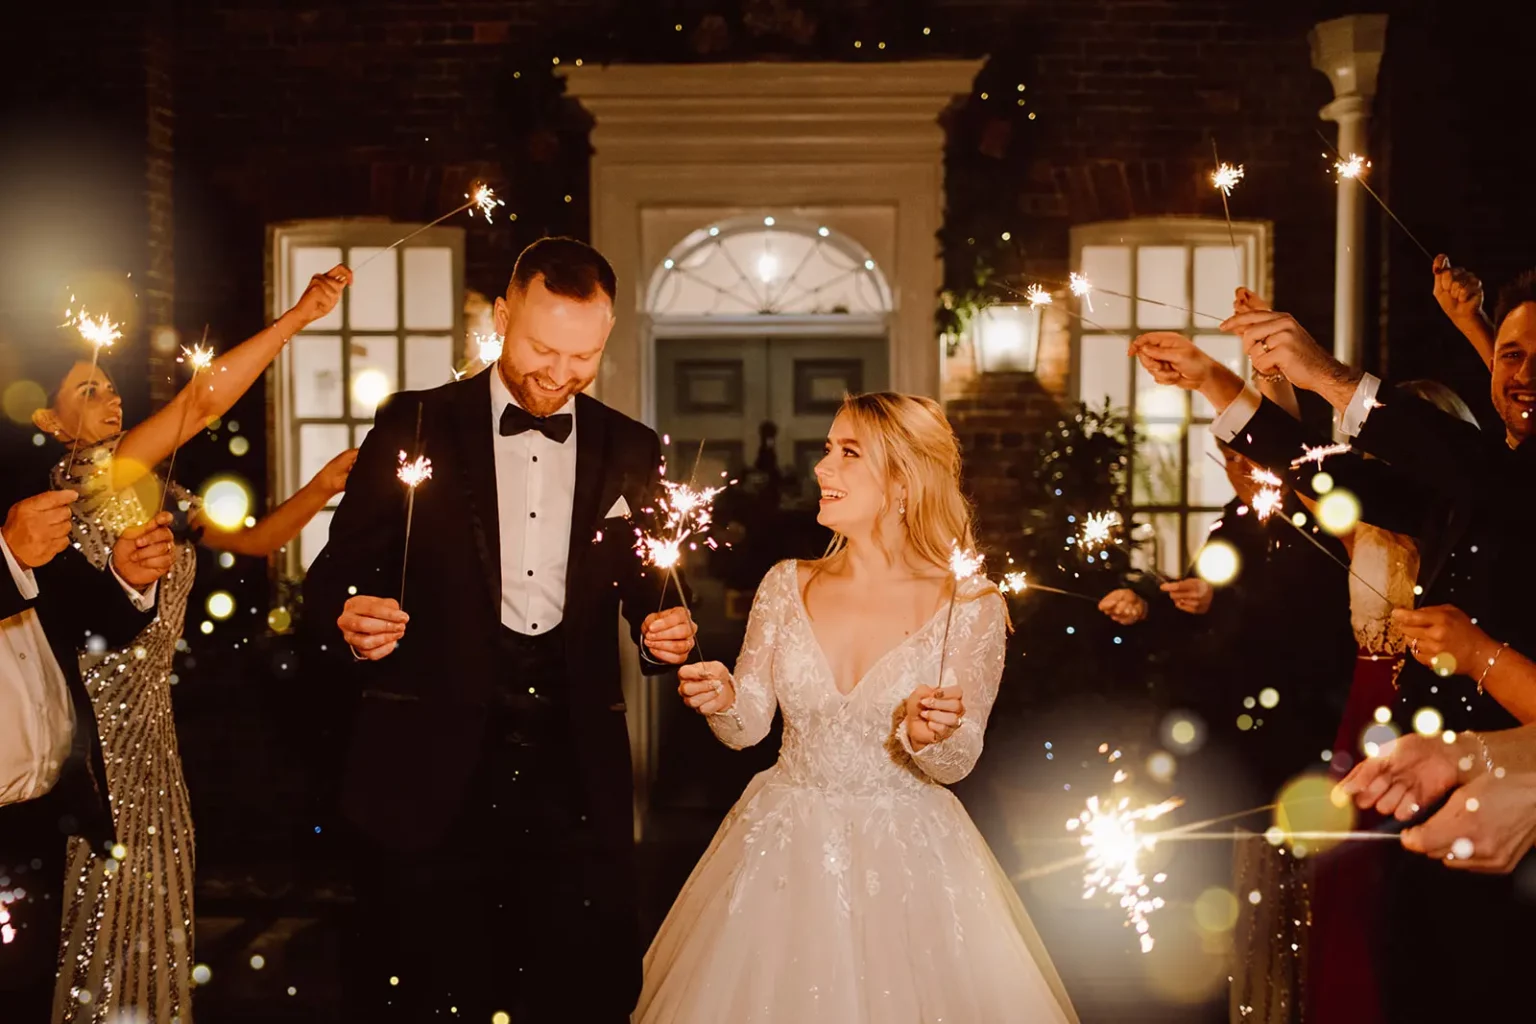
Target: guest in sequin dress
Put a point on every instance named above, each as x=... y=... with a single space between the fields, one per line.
x=126 y=945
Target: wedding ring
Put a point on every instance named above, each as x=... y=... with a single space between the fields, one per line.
x=716 y=685
x=1264 y=345
x=1413 y=645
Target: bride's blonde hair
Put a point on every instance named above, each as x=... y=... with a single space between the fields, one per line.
x=909 y=442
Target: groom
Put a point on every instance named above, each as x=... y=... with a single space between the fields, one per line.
x=488 y=780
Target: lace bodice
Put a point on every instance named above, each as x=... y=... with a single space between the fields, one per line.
x=857 y=743
x=1390 y=563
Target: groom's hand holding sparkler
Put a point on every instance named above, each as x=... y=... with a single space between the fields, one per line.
x=1124 y=606
x=1460 y=295
x=372 y=626
x=37 y=528
x=668 y=635
x=1276 y=344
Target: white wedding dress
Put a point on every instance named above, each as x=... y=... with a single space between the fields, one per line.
x=847 y=885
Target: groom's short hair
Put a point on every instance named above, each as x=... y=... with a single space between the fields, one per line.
x=570 y=268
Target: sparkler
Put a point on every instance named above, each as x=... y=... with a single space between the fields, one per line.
x=7 y=930
x=1098 y=527
x=1268 y=501
x=481 y=197
x=101 y=332
x=1225 y=178
x=488 y=347
x=1081 y=287
x=199 y=357
x=1114 y=844
x=682 y=511
x=963 y=565
x=1353 y=168
x=413 y=474
x=1037 y=296
x=1018 y=583
x=1317 y=453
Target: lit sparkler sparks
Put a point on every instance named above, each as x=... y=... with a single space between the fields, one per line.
x=1081 y=287
x=488 y=347
x=101 y=331
x=1225 y=177
x=200 y=358
x=1351 y=167
x=1014 y=583
x=1114 y=845
x=483 y=198
x=681 y=511
x=964 y=564
x=415 y=472
x=1266 y=503
x=1098 y=527
x=7 y=930
x=1037 y=296
x=1317 y=453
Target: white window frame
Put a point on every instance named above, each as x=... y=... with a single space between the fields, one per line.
x=283 y=476
x=1254 y=240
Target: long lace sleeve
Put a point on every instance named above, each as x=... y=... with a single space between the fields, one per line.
x=747 y=720
x=977 y=643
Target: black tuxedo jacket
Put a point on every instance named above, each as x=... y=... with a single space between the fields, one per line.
x=423 y=708
x=1463 y=494
x=75 y=601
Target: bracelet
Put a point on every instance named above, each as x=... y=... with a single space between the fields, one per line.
x=1482 y=746
x=1489 y=667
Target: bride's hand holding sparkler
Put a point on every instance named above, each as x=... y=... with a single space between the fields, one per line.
x=1411 y=772
x=707 y=687
x=669 y=635
x=934 y=715
x=372 y=626
x=320 y=296
x=1446 y=639
x=1177 y=361
x=146 y=552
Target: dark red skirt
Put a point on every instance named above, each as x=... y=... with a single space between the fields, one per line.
x=1342 y=980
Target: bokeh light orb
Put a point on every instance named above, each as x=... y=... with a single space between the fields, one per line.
x=1216 y=910
x=1308 y=804
x=239 y=445
x=279 y=619
x=221 y=604
x=1218 y=563
x=1161 y=766
x=1428 y=721
x=1444 y=664
x=1374 y=739
x=1269 y=697
x=371 y=387
x=21 y=399
x=1322 y=483
x=1338 y=511
x=202 y=974
x=1183 y=732
x=226 y=502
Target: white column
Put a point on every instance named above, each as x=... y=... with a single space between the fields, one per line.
x=1348 y=50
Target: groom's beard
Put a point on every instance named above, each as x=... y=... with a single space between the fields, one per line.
x=540 y=400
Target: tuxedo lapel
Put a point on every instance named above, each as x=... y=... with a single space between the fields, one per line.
x=477 y=463
x=592 y=440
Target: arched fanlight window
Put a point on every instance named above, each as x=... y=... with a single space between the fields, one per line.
x=767 y=266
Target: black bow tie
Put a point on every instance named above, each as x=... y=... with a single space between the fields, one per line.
x=515 y=419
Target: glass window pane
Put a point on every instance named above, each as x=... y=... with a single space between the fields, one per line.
x=1216 y=281
x=429 y=295
x=319 y=443
x=1165 y=542
x=372 y=299
x=375 y=372
x=1158 y=465
x=1162 y=273
x=1159 y=404
x=1198 y=528
x=313 y=537
x=315 y=362
x=1227 y=350
x=1104 y=370
x=428 y=361
x=1208 y=483
x=306 y=262
x=1108 y=268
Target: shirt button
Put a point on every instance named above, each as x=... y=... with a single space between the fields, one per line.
x=535 y=458
x=530 y=573
x=535 y=625
x=533 y=515
x=24 y=653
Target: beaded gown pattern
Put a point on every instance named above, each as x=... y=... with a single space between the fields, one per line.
x=848 y=885
x=126 y=945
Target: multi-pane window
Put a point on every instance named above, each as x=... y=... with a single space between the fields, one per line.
x=395 y=329
x=1170 y=274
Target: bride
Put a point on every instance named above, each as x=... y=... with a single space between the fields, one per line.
x=848 y=885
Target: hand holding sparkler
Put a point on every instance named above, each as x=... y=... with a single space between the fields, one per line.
x=319 y=298
x=1193 y=596
x=933 y=715
x=681 y=512
x=1488 y=825
x=1276 y=343
x=669 y=635
x=1124 y=606
x=707 y=687
x=1411 y=772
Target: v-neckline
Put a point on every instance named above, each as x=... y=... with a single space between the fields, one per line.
x=826 y=663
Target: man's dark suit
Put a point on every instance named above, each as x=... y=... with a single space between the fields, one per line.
x=1457 y=944
x=74 y=601
x=433 y=763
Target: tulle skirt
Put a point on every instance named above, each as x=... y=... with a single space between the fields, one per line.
x=813 y=905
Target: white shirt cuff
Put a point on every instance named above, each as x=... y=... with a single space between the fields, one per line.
x=26 y=581
x=142 y=601
x=1360 y=406
x=1231 y=420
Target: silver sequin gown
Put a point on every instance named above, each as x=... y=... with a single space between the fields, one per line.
x=126 y=945
x=848 y=885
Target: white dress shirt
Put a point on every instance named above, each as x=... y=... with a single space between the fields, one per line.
x=1231 y=420
x=535 y=494
x=37 y=718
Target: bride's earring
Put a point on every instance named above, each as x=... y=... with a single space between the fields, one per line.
x=901 y=507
